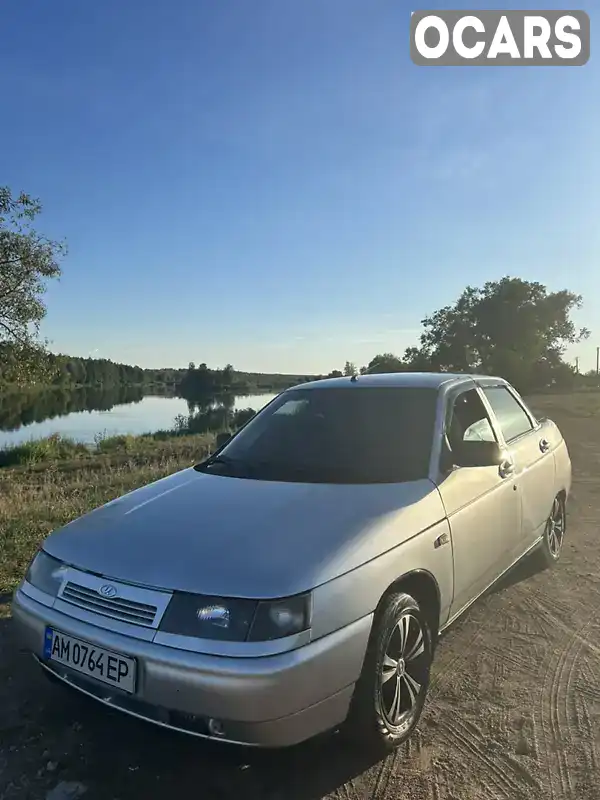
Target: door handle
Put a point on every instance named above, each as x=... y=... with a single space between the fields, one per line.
x=506 y=469
x=544 y=445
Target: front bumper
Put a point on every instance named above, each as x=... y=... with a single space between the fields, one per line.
x=272 y=701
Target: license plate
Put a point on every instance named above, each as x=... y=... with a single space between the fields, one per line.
x=103 y=665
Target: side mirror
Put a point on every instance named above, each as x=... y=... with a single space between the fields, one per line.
x=478 y=454
x=222 y=438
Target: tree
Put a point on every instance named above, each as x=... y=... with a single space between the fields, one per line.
x=228 y=374
x=27 y=261
x=416 y=360
x=384 y=362
x=349 y=369
x=511 y=327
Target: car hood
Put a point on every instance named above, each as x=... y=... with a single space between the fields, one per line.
x=243 y=538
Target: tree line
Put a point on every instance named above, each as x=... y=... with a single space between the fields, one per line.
x=201 y=380
x=72 y=371
x=513 y=328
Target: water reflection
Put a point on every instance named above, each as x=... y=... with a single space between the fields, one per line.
x=216 y=414
x=85 y=412
x=18 y=409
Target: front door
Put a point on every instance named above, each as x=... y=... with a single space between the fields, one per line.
x=482 y=503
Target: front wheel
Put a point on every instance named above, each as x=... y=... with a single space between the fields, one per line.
x=390 y=694
x=550 y=548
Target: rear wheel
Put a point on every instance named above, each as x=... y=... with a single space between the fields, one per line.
x=550 y=548
x=391 y=691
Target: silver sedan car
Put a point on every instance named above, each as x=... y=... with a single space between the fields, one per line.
x=297 y=580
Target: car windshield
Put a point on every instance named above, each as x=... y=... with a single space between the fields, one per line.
x=336 y=435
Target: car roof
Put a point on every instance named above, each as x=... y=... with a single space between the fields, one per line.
x=419 y=380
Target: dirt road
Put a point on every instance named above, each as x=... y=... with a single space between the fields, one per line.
x=514 y=711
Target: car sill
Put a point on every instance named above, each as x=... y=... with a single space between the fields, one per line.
x=458 y=614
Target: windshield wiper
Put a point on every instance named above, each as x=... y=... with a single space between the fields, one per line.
x=242 y=466
x=217 y=460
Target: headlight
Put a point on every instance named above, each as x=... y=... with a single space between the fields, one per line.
x=208 y=617
x=46 y=573
x=235 y=620
x=277 y=618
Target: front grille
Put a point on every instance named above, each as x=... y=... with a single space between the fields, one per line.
x=115 y=607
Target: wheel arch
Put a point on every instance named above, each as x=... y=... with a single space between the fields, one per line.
x=421 y=585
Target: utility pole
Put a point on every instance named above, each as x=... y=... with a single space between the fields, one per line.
x=598 y=361
x=577 y=365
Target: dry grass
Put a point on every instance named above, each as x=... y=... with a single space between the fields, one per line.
x=581 y=405
x=36 y=500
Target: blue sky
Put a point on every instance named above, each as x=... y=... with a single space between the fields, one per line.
x=274 y=184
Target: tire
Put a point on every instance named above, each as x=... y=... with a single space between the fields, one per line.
x=391 y=691
x=550 y=549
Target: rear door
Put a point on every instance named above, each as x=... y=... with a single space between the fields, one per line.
x=530 y=445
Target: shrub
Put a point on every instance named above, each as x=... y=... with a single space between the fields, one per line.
x=124 y=443
x=51 y=448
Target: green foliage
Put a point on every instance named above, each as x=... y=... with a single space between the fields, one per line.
x=125 y=443
x=27 y=261
x=511 y=327
x=160 y=436
x=57 y=449
x=68 y=372
x=242 y=416
x=202 y=381
x=52 y=448
x=24 y=364
x=180 y=423
x=61 y=371
x=385 y=362
x=350 y=369
x=213 y=420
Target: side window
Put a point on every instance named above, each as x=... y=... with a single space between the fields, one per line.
x=467 y=420
x=511 y=415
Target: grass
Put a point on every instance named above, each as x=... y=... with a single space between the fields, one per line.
x=61 y=448
x=57 y=480
x=580 y=404
x=36 y=451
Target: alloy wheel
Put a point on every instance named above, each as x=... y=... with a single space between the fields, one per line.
x=555 y=528
x=403 y=673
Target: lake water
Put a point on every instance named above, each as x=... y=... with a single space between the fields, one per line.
x=147 y=415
